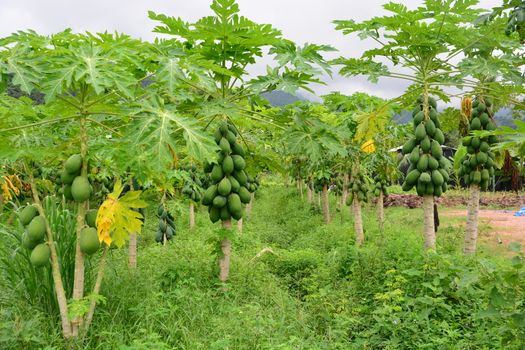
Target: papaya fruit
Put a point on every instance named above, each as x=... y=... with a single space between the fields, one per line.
x=241 y=177
x=214 y=214
x=433 y=163
x=425 y=144
x=91 y=218
x=238 y=162
x=223 y=128
x=27 y=214
x=481 y=158
x=429 y=189
x=220 y=201
x=217 y=173
x=416 y=110
x=36 y=230
x=67 y=178
x=484 y=147
x=224 y=188
x=414 y=155
x=438 y=191
x=432 y=102
x=81 y=189
x=232 y=129
x=412 y=177
x=209 y=195
x=425 y=178
x=484 y=119
x=418 y=118
x=430 y=128
x=485 y=175
x=420 y=132
x=89 y=242
x=40 y=255
x=476 y=177
x=234 y=203
x=475 y=124
x=238 y=150
x=225 y=146
x=444 y=173
x=227 y=165
x=475 y=143
x=244 y=195
x=437 y=178
x=27 y=242
x=73 y=164
x=230 y=136
x=236 y=186
x=422 y=163
x=436 y=150
x=224 y=213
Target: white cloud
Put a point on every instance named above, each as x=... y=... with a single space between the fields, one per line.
x=300 y=20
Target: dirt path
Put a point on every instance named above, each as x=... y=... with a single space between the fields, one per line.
x=504 y=227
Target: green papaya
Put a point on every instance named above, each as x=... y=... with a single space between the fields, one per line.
x=466 y=141
x=412 y=177
x=227 y=165
x=27 y=242
x=224 y=213
x=490 y=127
x=209 y=195
x=476 y=177
x=436 y=150
x=425 y=145
x=234 y=203
x=425 y=178
x=214 y=214
x=437 y=178
x=230 y=136
x=217 y=174
x=429 y=189
x=438 y=191
x=475 y=143
x=224 y=187
x=27 y=214
x=67 y=178
x=219 y=201
x=433 y=115
x=225 y=146
x=433 y=163
x=245 y=195
x=40 y=255
x=238 y=162
x=217 y=135
x=484 y=119
x=420 y=132
x=422 y=164
x=81 y=189
x=223 y=128
x=484 y=147
x=36 y=230
x=73 y=164
x=405 y=187
x=416 y=110
x=414 y=155
x=418 y=118
x=481 y=158
x=430 y=128
x=444 y=173
x=439 y=136
x=432 y=102
x=241 y=177
x=89 y=242
x=481 y=108
x=91 y=218
x=420 y=188
x=232 y=129
x=475 y=124
x=238 y=150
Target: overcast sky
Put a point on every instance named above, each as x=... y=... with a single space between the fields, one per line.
x=299 y=20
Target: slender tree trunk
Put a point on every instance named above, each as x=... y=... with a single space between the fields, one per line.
x=226 y=248
x=309 y=194
x=132 y=251
x=471 y=235
x=192 y=215
x=239 y=226
x=78 y=279
x=301 y=189
x=345 y=190
x=96 y=290
x=380 y=211
x=55 y=267
x=319 y=200
x=428 y=222
x=326 y=205
x=358 y=222
x=250 y=205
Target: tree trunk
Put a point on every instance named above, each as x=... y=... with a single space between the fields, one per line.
x=96 y=290
x=471 y=234
x=79 y=275
x=250 y=205
x=192 y=215
x=55 y=267
x=428 y=222
x=309 y=194
x=358 y=222
x=132 y=251
x=326 y=205
x=345 y=190
x=319 y=200
x=380 y=211
x=226 y=248
x=301 y=189
x=239 y=226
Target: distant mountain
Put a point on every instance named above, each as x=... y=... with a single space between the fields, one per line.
x=280 y=98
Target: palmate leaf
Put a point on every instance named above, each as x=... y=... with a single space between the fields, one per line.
x=307 y=58
x=116 y=219
x=158 y=129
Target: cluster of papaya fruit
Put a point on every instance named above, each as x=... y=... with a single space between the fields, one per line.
x=76 y=187
x=167 y=228
x=227 y=191
x=253 y=183
x=89 y=243
x=380 y=185
x=428 y=167
x=477 y=166
x=358 y=187
x=34 y=235
x=193 y=187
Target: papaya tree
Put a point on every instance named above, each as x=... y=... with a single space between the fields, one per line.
x=225 y=44
x=423 y=42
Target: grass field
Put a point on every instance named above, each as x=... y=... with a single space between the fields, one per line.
x=313 y=290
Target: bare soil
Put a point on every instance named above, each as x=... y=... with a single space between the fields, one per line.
x=504 y=200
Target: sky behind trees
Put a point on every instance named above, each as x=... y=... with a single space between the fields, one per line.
x=299 y=20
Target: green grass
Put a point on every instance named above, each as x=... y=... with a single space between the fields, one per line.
x=314 y=291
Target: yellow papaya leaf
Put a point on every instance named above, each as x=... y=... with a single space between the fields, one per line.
x=10 y=184
x=368 y=146
x=116 y=219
